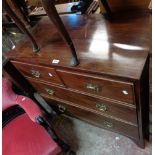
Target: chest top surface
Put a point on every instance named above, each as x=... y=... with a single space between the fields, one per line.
x=118 y=47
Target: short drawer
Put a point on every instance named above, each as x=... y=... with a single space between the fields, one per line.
x=96 y=119
x=117 y=90
x=103 y=107
x=38 y=72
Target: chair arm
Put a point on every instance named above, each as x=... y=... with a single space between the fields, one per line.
x=30 y=107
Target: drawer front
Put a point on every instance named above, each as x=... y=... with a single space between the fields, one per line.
x=38 y=72
x=116 y=90
x=102 y=107
x=96 y=119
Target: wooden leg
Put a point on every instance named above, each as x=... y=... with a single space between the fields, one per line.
x=140 y=143
x=20 y=25
x=107 y=8
x=54 y=17
x=10 y=72
x=17 y=10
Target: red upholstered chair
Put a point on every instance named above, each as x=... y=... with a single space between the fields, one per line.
x=27 y=133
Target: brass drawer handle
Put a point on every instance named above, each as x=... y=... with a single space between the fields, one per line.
x=108 y=124
x=93 y=87
x=49 y=91
x=101 y=107
x=61 y=108
x=35 y=73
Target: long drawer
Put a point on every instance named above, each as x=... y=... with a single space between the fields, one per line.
x=103 y=107
x=117 y=90
x=95 y=119
x=38 y=72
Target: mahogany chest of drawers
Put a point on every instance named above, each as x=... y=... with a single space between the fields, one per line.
x=109 y=88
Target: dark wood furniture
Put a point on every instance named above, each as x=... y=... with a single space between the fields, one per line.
x=110 y=85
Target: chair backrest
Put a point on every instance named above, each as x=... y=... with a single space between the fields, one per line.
x=9 y=98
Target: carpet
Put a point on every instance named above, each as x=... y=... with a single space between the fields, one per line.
x=87 y=139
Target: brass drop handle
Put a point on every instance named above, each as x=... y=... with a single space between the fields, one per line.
x=93 y=87
x=61 y=108
x=101 y=107
x=108 y=124
x=35 y=73
x=49 y=91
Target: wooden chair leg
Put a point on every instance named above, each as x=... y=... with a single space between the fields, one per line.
x=107 y=7
x=20 y=25
x=54 y=17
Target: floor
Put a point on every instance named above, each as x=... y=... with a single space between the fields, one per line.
x=87 y=139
